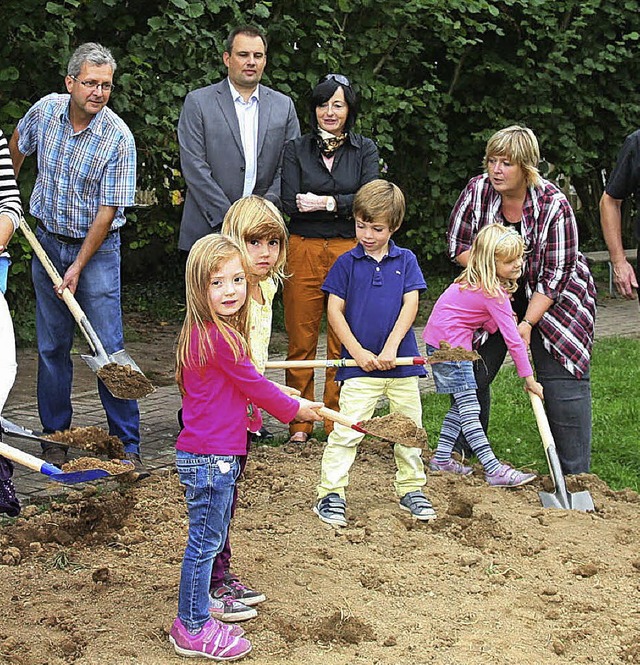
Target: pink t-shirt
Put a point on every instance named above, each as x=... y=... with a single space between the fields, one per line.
x=218 y=396
x=459 y=312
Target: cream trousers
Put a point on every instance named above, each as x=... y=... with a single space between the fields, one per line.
x=358 y=399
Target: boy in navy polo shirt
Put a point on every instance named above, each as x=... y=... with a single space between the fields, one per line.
x=373 y=300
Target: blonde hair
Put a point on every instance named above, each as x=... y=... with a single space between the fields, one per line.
x=255 y=218
x=207 y=256
x=520 y=146
x=380 y=201
x=494 y=242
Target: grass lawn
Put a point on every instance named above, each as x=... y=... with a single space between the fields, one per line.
x=615 y=374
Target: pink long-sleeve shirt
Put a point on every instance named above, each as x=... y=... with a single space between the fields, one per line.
x=217 y=397
x=459 y=312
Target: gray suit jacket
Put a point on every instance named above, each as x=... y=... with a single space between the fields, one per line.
x=212 y=158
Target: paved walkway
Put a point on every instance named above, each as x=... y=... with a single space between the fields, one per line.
x=616 y=317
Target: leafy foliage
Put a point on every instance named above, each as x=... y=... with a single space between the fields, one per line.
x=435 y=77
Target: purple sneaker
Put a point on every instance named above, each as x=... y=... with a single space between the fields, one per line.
x=233 y=587
x=228 y=609
x=214 y=641
x=450 y=466
x=505 y=476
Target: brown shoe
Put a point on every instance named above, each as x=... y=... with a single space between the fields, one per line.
x=140 y=471
x=55 y=454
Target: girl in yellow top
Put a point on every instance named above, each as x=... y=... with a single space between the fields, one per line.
x=257 y=226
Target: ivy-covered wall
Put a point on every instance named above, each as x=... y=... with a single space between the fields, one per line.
x=436 y=78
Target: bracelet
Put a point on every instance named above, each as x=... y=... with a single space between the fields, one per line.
x=528 y=322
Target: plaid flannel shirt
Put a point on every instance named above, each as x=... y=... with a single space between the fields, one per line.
x=553 y=265
x=77 y=171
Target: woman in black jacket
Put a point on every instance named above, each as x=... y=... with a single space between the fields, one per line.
x=321 y=173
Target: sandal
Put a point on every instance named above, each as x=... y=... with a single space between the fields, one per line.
x=299 y=438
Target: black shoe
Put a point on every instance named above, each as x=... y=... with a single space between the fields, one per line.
x=263 y=435
x=55 y=454
x=139 y=469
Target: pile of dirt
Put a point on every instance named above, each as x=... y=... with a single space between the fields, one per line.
x=93 y=439
x=114 y=467
x=397 y=428
x=456 y=353
x=495 y=579
x=124 y=381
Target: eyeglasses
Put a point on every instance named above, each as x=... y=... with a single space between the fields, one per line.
x=338 y=78
x=93 y=85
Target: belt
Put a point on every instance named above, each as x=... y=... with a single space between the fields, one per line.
x=68 y=240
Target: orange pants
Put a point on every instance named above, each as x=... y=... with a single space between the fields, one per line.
x=309 y=261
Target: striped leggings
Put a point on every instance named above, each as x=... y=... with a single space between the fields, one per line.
x=464 y=415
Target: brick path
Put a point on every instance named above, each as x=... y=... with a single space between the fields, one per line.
x=616 y=317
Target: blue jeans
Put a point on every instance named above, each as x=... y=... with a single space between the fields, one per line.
x=567 y=399
x=98 y=294
x=210 y=482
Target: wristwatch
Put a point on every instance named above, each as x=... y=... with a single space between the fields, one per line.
x=331 y=204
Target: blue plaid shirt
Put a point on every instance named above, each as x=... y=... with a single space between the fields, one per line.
x=77 y=171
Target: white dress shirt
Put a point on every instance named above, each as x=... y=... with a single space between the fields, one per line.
x=247 y=113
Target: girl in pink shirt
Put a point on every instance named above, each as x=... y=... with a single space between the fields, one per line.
x=478 y=300
x=221 y=390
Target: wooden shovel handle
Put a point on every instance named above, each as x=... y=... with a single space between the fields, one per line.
x=542 y=421
x=67 y=296
x=330 y=414
x=19 y=456
x=335 y=362
x=51 y=270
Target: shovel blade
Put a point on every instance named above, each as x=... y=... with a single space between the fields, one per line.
x=75 y=477
x=96 y=362
x=568 y=501
x=123 y=358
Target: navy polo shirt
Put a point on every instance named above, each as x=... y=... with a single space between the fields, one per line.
x=373 y=295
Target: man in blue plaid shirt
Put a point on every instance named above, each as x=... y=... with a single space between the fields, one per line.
x=86 y=177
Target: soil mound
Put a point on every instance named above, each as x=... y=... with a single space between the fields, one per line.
x=495 y=579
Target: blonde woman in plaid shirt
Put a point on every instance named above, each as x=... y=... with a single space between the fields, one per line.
x=555 y=302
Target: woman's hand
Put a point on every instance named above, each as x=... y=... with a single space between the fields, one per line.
x=532 y=386
x=311 y=202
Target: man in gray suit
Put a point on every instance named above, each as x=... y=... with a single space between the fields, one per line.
x=231 y=138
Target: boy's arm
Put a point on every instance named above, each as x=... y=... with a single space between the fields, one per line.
x=335 y=313
x=387 y=357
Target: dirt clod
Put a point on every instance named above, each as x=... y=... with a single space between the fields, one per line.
x=398 y=428
x=447 y=352
x=125 y=382
x=94 y=439
x=113 y=467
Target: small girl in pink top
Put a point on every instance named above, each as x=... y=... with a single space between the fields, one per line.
x=220 y=391
x=479 y=299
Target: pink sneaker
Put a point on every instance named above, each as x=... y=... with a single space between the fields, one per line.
x=215 y=641
x=505 y=476
x=451 y=466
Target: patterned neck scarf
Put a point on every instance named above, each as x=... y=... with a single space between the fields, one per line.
x=329 y=143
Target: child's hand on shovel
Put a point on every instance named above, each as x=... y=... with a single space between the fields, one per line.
x=307 y=411
x=532 y=386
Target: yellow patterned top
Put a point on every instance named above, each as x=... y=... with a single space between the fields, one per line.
x=260 y=323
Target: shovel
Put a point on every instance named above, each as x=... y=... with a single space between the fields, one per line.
x=100 y=359
x=561 y=498
x=336 y=362
x=36 y=464
x=337 y=417
x=11 y=429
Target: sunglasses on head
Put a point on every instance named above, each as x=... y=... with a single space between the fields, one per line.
x=338 y=78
